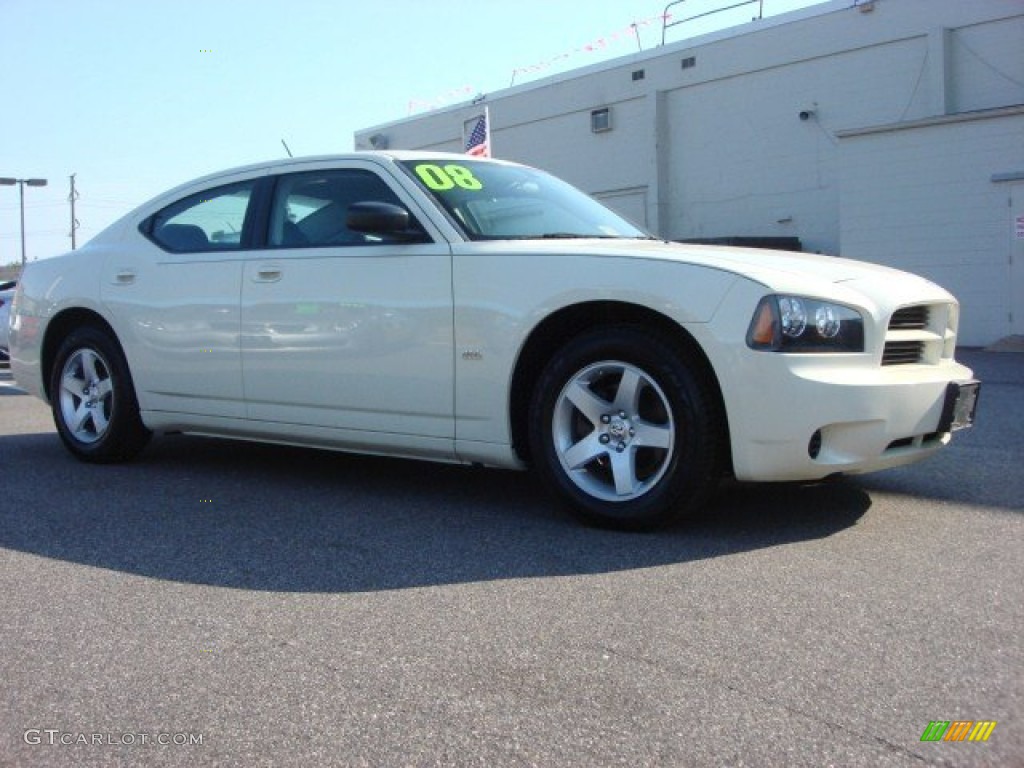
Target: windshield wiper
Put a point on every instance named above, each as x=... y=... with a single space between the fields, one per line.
x=575 y=236
x=556 y=236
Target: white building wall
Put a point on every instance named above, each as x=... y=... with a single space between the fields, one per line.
x=718 y=149
x=987 y=63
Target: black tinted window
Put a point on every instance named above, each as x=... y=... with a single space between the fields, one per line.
x=211 y=220
x=310 y=209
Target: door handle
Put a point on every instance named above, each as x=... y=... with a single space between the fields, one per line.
x=267 y=275
x=124 y=277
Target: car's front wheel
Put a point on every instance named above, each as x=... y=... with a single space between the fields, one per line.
x=93 y=400
x=626 y=428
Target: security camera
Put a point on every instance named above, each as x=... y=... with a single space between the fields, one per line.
x=806 y=114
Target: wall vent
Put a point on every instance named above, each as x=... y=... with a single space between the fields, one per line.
x=601 y=120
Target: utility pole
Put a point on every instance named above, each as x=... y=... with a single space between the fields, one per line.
x=71 y=199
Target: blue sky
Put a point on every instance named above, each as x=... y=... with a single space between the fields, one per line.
x=136 y=96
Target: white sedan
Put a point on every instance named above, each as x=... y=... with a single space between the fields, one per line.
x=467 y=310
x=6 y=295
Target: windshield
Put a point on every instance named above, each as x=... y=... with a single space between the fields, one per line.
x=490 y=201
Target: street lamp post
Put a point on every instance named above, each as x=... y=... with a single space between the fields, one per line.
x=9 y=182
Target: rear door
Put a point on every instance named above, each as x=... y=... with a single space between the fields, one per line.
x=174 y=288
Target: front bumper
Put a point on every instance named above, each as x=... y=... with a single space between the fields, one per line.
x=811 y=416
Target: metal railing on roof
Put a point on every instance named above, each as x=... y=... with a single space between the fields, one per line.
x=665 y=16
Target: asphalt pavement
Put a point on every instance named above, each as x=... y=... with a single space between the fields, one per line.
x=227 y=603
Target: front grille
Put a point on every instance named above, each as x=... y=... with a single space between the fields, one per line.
x=902 y=352
x=909 y=319
x=921 y=441
x=908 y=334
x=903 y=442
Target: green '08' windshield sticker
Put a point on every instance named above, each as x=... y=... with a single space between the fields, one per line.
x=440 y=178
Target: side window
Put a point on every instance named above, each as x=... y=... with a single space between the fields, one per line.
x=309 y=209
x=211 y=220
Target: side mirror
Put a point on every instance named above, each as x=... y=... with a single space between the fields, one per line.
x=383 y=219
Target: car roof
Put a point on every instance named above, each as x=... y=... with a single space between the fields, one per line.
x=297 y=163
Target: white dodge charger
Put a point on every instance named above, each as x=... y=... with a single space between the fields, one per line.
x=467 y=310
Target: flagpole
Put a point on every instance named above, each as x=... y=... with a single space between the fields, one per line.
x=476 y=140
x=487 y=127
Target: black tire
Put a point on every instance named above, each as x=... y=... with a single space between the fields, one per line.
x=93 y=399
x=637 y=467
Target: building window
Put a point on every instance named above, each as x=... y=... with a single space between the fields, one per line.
x=689 y=62
x=601 y=120
x=638 y=74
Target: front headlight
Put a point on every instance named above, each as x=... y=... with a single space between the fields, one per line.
x=799 y=324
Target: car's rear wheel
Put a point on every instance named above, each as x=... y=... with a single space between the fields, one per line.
x=93 y=399
x=626 y=429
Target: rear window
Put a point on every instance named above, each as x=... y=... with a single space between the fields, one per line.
x=211 y=220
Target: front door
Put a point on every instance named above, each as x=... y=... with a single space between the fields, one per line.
x=347 y=334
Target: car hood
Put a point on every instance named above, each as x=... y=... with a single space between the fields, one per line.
x=781 y=271
x=749 y=262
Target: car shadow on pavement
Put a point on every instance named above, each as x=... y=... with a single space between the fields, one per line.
x=275 y=518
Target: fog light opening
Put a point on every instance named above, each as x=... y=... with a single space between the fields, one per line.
x=814 y=444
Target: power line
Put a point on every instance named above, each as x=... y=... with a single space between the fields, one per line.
x=32 y=206
x=34 y=232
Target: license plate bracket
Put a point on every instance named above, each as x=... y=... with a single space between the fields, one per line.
x=960 y=407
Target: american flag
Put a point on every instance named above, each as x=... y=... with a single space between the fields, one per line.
x=478 y=142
